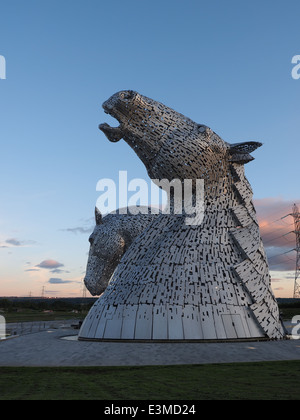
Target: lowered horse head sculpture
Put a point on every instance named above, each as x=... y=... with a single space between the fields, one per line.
x=112 y=236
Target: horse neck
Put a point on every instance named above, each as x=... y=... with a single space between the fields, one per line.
x=243 y=194
x=223 y=196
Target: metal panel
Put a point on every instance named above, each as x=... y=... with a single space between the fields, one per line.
x=160 y=323
x=143 y=328
x=129 y=321
x=113 y=326
x=228 y=322
x=175 y=326
x=94 y=329
x=208 y=323
x=191 y=323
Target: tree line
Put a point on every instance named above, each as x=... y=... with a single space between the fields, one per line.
x=10 y=305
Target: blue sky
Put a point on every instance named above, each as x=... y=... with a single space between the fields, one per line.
x=226 y=64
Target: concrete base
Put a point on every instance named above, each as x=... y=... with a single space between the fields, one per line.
x=47 y=348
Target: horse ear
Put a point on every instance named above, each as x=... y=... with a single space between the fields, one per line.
x=240 y=152
x=98 y=216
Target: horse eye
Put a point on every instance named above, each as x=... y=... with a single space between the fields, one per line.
x=127 y=95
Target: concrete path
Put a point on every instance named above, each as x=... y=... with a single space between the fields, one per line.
x=47 y=348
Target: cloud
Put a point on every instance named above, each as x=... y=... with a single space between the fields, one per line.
x=277 y=232
x=274 y=207
x=58 y=271
x=87 y=226
x=50 y=264
x=274 y=280
x=32 y=269
x=13 y=242
x=79 y=229
x=281 y=260
x=55 y=280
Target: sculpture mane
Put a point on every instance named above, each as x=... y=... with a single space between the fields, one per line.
x=188 y=282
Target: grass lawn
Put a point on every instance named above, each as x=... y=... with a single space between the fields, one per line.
x=244 y=381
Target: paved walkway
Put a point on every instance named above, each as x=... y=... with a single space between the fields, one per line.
x=21 y=328
x=47 y=348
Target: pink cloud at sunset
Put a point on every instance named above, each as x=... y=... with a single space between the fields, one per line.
x=277 y=232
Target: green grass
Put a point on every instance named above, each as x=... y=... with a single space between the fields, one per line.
x=238 y=381
x=288 y=313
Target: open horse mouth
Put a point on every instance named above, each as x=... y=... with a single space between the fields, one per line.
x=118 y=106
x=114 y=134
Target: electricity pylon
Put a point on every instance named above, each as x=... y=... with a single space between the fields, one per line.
x=296 y=216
